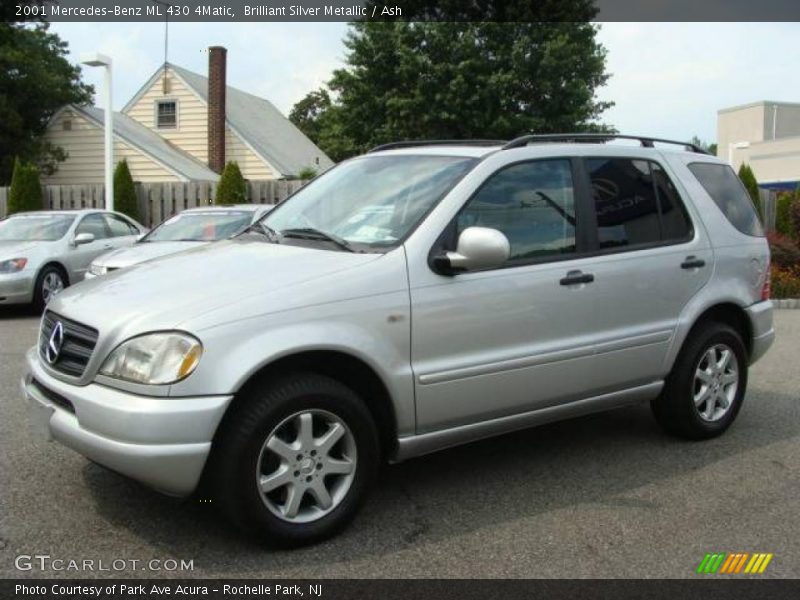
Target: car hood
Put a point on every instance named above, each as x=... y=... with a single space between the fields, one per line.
x=140 y=252
x=164 y=293
x=13 y=249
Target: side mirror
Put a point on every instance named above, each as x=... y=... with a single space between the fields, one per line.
x=478 y=248
x=83 y=238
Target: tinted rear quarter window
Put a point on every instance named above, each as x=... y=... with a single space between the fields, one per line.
x=730 y=195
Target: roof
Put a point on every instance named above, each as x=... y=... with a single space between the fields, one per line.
x=258 y=122
x=150 y=143
x=758 y=103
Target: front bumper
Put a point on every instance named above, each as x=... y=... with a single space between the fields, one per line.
x=16 y=288
x=760 y=315
x=161 y=442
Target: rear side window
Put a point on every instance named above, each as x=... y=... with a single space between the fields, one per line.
x=636 y=204
x=729 y=193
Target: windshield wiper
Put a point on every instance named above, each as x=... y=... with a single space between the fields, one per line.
x=263 y=229
x=310 y=233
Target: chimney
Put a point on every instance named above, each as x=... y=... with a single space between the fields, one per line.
x=216 y=108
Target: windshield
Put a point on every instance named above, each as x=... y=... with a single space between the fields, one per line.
x=35 y=228
x=208 y=226
x=373 y=201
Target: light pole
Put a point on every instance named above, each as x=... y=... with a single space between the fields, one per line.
x=101 y=60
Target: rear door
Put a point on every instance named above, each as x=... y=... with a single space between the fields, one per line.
x=122 y=232
x=651 y=256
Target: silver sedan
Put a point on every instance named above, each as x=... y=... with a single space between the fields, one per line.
x=188 y=229
x=43 y=252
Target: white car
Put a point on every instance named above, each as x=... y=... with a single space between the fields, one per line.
x=188 y=229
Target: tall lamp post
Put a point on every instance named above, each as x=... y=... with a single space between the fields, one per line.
x=101 y=60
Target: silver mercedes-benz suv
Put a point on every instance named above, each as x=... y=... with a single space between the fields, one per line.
x=417 y=297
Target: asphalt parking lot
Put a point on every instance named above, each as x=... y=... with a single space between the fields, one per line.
x=601 y=496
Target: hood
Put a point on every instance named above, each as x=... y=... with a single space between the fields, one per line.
x=13 y=249
x=140 y=252
x=163 y=293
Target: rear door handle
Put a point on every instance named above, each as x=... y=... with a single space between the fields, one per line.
x=692 y=262
x=575 y=277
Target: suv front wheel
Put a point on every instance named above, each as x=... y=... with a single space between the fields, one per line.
x=294 y=460
x=705 y=390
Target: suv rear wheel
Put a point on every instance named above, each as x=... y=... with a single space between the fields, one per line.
x=294 y=460
x=705 y=390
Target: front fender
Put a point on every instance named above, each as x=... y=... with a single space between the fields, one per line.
x=373 y=329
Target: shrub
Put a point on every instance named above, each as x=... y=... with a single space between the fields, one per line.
x=749 y=180
x=231 y=188
x=783 y=219
x=26 y=191
x=124 y=192
x=794 y=216
x=307 y=173
x=785 y=282
x=783 y=250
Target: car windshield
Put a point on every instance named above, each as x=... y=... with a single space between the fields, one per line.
x=200 y=226
x=372 y=202
x=35 y=228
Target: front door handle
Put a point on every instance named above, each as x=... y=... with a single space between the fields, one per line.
x=692 y=262
x=575 y=277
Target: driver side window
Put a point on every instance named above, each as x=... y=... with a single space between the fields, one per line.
x=532 y=204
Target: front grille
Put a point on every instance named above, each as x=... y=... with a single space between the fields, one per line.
x=54 y=397
x=79 y=343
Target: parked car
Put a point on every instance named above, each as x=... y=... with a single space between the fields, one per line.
x=187 y=229
x=43 y=252
x=406 y=301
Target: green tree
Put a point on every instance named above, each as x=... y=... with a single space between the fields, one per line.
x=306 y=113
x=712 y=149
x=794 y=215
x=125 y=200
x=414 y=80
x=231 y=188
x=307 y=173
x=783 y=215
x=35 y=81
x=749 y=180
x=26 y=190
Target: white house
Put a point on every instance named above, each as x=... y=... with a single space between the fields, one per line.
x=182 y=126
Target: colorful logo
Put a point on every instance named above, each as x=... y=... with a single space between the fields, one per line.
x=734 y=563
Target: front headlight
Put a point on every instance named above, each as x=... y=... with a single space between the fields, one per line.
x=97 y=269
x=14 y=265
x=154 y=358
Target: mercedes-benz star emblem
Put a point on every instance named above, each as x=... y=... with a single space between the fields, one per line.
x=53 y=348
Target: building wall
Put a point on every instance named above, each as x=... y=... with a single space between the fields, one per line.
x=744 y=124
x=774 y=160
x=191 y=134
x=84 y=144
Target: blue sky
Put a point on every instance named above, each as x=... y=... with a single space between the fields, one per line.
x=668 y=79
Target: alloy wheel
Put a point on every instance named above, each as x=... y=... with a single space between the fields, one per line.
x=306 y=466
x=51 y=285
x=716 y=382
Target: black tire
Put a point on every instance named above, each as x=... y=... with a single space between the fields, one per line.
x=39 y=300
x=675 y=409
x=237 y=448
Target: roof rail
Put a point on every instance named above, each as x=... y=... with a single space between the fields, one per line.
x=415 y=143
x=647 y=142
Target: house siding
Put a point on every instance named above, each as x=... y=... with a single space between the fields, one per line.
x=84 y=144
x=251 y=166
x=191 y=134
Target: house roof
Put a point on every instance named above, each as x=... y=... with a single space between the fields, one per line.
x=258 y=122
x=150 y=143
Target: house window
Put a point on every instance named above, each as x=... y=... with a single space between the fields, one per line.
x=167 y=114
x=67 y=123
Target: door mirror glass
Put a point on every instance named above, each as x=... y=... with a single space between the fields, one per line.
x=479 y=248
x=84 y=238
